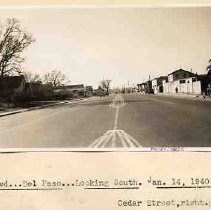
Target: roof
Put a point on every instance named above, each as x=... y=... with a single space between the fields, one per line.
x=89 y=87
x=11 y=82
x=181 y=70
x=79 y=86
x=75 y=86
x=161 y=77
x=143 y=83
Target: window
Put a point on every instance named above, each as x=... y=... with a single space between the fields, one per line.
x=182 y=81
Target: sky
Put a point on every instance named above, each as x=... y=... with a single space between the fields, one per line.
x=124 y=44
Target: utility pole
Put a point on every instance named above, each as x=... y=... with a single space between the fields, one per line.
x=148 y=84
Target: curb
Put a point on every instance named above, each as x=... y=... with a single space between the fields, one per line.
x=30 y=109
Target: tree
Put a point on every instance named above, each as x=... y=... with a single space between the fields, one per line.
x=105 y=84
x=31 y=77
x=13 y=41
x=209 y=68
x=55 y=77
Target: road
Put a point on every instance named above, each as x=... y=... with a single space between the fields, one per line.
x=128 y=120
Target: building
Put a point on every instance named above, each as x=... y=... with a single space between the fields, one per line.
x=182 y=81
x=178 y=82
x=12 y=86
x=145 y=87
x=187 y=85
x=157 y=84
x=179 y=74
x=67 y=91
x=89 y=91
x=141 y=87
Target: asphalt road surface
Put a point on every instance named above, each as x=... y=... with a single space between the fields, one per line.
x=115 y=121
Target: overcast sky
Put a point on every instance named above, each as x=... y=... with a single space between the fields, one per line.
x=123 y=44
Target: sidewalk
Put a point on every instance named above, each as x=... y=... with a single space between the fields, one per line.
x=31 y=108
x=187 y=96
x=51 y=103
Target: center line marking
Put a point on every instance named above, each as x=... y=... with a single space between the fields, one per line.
x=111 y=137
x=116 y=119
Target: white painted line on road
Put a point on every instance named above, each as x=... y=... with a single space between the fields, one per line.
x=106 y=141
x=116 y=119
x=113 y=141
x=123 y=139
x=112 y=136
x=130 y=140
x=100 y=140
x=118 y=101
x=126 y=139
x=134 y=141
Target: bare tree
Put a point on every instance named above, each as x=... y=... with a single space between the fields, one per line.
x=105 y=84
x=31 y=77
x=13 y=41
x=209 y=68
x=55 y=77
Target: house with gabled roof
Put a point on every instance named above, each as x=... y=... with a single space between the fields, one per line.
x=182 y=81
x=179 y=74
